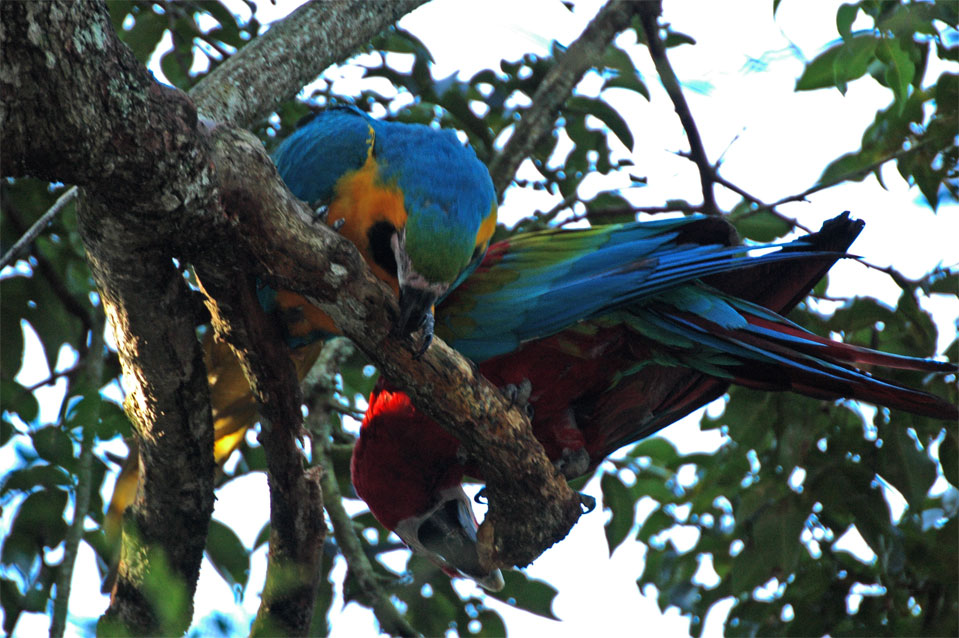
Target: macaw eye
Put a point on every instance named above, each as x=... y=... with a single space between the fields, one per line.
x=379 y=238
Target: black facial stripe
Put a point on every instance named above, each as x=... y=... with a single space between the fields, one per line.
x=379 y=237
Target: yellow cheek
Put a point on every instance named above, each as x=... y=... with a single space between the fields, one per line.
x=361 y=201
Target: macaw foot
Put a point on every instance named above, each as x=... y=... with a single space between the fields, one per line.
x=573 y=463
x=519 y=395
x=429 y=323
x=322 y=212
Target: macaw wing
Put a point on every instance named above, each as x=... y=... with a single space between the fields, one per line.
x=535 y=285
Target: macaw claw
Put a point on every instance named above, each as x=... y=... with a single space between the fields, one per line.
x=429 y=323
x=573 y=463
x=519 y=395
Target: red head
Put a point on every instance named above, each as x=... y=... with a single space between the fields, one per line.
x=406 y=468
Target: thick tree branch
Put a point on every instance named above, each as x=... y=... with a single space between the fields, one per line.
x=97 y=118
x=297 y=529
x=538 y=119
x=649 y=17
x=275 y=66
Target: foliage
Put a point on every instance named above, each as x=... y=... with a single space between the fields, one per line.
x=765 y=509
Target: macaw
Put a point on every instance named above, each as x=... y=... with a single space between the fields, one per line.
x=415 y=201
x=611 y=362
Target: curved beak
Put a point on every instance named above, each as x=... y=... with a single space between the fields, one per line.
x=415 y=304
x=447 y=536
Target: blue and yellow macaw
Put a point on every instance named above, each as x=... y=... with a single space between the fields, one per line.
x=415 y=201
x=620 y=330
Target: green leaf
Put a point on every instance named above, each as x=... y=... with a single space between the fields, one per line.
x=844 y=19
x=229 y=30
x=54 y=445
x=853 y=167
x=820 y=71
x=40 y=519
x=905 y=466
x=605 y=113
x=11 y=346
x=41 y=475
x=263 y=536
x=949 y=457
x=145 y=34
x=944 y=282
x=900 y=69
x=173 y=69
x=522 y=592
x=839 y=64
x=655 y=523
x=853 y=59
x=764 y=226
x=675 y=39
x=609 y=208
x=618 y=500
x=15 y=398
x=773 y=547
x=228 y=555
x=655 y=447
x=491 y=625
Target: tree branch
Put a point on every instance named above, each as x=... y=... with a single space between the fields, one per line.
x=253 y=82
x=92 y=379
x=649 y=17
x=538 y=119
x=38 y=227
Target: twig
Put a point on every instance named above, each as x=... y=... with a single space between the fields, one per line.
x=798 y=197
x=322 y=385
x=94 y=374
x=649 y=210
x=55 y=377
x=37 y=228
x=46 y=269
x=355 y=414
x=649 y=17
x=558 y=84
x=761 y=206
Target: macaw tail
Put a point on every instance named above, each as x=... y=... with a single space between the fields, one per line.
x=696 y=357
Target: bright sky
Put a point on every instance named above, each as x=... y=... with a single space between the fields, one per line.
x=739 y=80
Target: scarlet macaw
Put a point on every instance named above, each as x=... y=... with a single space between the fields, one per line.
x=643 y=358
